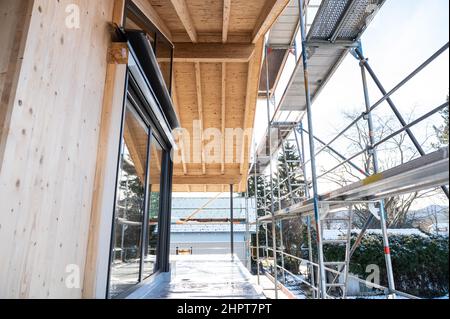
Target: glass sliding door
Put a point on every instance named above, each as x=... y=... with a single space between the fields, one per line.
x=154 y=187
x=141 y=223
x=130 y=204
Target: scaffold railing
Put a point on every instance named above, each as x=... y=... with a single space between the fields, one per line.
x=335 y=32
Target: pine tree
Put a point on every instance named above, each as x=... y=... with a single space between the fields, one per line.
x=288 y=163
x=292 y=229
x=442 y=131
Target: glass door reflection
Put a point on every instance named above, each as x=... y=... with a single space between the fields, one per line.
x=130 y=205
x=151 y=239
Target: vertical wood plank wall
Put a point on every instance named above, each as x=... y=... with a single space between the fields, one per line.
x=48 y=172
x=97 y=261
x=14 y=22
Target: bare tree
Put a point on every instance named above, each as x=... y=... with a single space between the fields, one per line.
x=396 y=151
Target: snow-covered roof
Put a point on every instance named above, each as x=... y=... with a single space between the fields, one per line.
x=210 y=228
x=331 y=234
x=183 y=207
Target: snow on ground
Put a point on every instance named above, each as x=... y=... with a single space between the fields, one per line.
x=332 y=234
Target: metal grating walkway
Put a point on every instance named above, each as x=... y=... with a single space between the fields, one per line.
x=337 y=27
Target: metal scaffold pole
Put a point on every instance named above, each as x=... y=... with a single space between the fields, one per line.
x=257 y=216
x=324 y=45
x=272 y=195
x=266 y=242
x=280 y=225
x=231 y=222
x=307 y=195
x=373 y=154
x=322 y=286
x=247 y=233
x=257 y=252
x=366 y=65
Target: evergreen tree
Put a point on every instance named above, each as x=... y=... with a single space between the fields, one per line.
x=442 y=131
x=293 y=230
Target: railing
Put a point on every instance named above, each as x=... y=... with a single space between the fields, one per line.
x=315 y=266
x=271 y=200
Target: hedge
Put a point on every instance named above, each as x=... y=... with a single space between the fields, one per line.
x=420 y=263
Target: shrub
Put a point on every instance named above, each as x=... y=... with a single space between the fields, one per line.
x=420 y=264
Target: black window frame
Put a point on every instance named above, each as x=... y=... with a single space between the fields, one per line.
x=141 y=107
x=132 y=10
x=160 y=123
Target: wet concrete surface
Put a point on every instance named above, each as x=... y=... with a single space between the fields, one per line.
x=207 y=277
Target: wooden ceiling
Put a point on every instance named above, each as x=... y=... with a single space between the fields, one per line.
x=217 y=66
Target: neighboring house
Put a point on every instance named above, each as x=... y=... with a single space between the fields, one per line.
x=208 y=230
x=439 y=229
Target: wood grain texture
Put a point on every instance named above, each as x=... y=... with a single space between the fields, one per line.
x=185 y=16
x=47 y=179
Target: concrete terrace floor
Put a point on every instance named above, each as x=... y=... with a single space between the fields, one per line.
x=207 y=277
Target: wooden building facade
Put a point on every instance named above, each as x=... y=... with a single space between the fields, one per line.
x=90 y=93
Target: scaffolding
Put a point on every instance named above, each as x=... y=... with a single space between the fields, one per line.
x=335 y=32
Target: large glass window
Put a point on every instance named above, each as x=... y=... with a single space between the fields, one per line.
x=139 y=227
x=153 y=207
x=163 y=52
x=130 y=205
x=136 y=218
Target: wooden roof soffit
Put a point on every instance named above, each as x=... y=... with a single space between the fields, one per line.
x=226 y=19
x=213 y=53
x=269 y=15
x=153 y=16
x=183 y=13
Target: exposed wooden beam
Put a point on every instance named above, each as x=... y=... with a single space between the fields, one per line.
x=250 y=78
x=183 y=13
x=119 y=12
x=213 y=52
x=226 y=19
x=254 y=73
x=223 y=117
x=272 y=9
x=153 y=16
x=207 y=180
x=213 y=37
x=198 y=81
